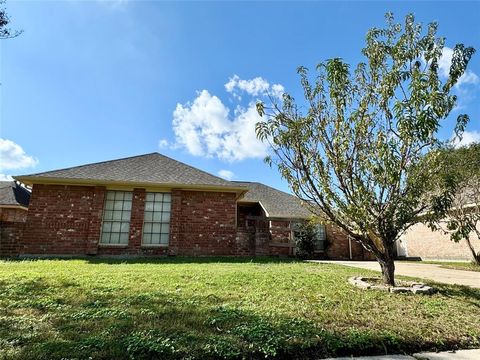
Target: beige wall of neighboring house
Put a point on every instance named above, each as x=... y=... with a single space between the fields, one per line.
x=420 y=241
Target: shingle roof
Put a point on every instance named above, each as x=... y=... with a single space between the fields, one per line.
x=12 y=194
x=151 y=168
x=275 y=202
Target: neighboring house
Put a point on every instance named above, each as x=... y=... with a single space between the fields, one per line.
x=154 y=205
x=14 y=200
x=421 y=242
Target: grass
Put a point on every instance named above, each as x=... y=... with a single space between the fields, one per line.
x=456 y=265
x=218 y=308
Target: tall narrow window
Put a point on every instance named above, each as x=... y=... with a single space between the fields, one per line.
x=156 y=224
x=116 y=218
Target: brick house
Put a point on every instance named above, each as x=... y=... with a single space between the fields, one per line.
x=14 y=200
x=154 y=205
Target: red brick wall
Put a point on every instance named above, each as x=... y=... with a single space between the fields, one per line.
x=10 y=235
x=13 y=214
x=203 y=223
x=12 y=223
x=63 y=220
x=66 y=220
x=338 y=247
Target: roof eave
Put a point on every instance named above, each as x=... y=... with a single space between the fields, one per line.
x=30 y=180
x=13 y=206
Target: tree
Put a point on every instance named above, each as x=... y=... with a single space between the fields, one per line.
x=5 y=31
x=459 y=174
x=353 y=155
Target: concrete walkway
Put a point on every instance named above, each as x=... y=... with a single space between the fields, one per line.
x=420 y=270
x=472 y=354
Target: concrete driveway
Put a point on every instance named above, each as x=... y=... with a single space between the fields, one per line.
x=420 y=270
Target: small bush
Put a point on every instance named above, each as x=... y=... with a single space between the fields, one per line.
x=305 y=236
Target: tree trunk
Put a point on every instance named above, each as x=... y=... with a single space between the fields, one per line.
x=388 y=269
x=476 y=256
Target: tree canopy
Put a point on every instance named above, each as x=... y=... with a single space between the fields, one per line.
x=352 y=149
x=460 y=175
x=5 y=31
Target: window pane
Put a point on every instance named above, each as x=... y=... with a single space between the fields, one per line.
x=108 y=215
x=157 y=206
x=165 y=207
x=125 y=227
x=127 y=205
x=167 y=198
x=110 y=195
x=118 y=205
x=124 y=238
x=165 y=217
x=127 y=196
x=148 y=216
x=156 y=239
x=115 y=238
x=165 y=228
x=156 y=228
x=147 y=238
x=147 y=228
x=126 y=215
x=164 y=239
x=117 y=215
x=109 y=204
x=149 y=206
x=105 y=238
x=107 y=227
x=150 y=197
x=115 y=227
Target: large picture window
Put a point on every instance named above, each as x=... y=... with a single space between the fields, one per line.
x=156 y=225
x=116 y=218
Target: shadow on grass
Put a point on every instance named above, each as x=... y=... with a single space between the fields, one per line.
x=39 y=320
x=470 y=295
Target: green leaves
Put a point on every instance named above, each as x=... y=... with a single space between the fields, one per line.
x=356 y=154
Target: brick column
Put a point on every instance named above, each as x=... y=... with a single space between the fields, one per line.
x=95 y=223
x=175 y=222
x=136 y=220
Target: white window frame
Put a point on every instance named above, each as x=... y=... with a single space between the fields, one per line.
x=156 y=219
x=116 y=216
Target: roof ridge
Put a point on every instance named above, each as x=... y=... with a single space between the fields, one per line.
x=193 y=167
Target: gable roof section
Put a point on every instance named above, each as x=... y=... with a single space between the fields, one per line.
x=149 y=169
x=275 y=202
x=12 y=194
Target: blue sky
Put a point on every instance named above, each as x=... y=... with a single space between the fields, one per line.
x=95 y=80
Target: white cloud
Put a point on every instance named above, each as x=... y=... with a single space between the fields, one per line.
x=12 y=156
x=254 y=87
x=468 y=138
x=226 y=174
x=205 y=127
x=444 y=63
x=163 y=143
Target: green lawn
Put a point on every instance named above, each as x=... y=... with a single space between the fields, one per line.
x=218 y=308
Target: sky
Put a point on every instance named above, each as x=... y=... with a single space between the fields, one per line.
x=89 y=81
